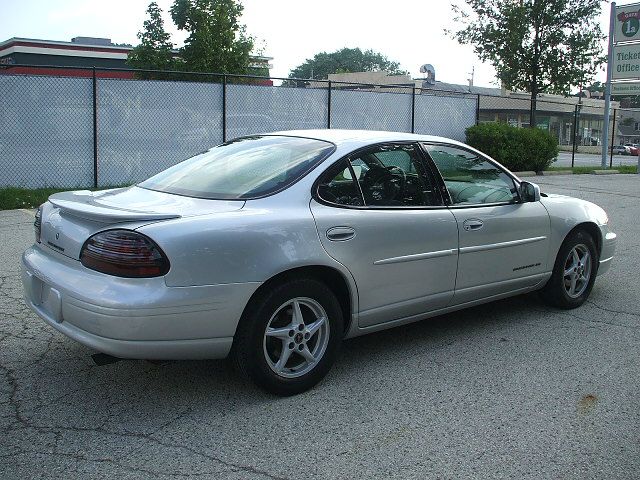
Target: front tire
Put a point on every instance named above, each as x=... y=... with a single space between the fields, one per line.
x=574 y=272
x=289 y=336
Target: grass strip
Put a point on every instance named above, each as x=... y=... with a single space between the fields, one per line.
x=14 y=197
x=587 y=170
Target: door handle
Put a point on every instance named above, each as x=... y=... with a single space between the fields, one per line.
x=472 y=224
x=340 y=234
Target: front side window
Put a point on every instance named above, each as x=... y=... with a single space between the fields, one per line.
x=393 y=176
x=245 y=168
x=471 y=179
x=389 y=175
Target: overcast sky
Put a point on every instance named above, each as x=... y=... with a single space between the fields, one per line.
x=410 y=32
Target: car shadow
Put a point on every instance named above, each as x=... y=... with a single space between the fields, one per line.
x=216 y=380
x=64 y=389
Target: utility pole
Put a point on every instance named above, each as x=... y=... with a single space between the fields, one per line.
x=607 y=87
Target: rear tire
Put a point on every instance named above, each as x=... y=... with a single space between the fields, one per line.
x=574 y=272
x=289 y=336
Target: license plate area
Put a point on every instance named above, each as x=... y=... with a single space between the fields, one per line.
x=32 y=287
x=51 y=302
x=44 y=296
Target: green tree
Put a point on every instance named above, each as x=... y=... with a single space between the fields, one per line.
x=535 y=45
x=345 y=60
x=217 y=42
x=155 y=49
x=595 y=87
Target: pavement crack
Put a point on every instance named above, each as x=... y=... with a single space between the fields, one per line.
x=143 y=436
x=591 y=321
x=611 y=310
x=13 y=392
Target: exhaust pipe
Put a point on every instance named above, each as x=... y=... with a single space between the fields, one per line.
x=101 y=359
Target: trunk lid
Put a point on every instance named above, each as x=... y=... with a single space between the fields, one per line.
x=70 y=218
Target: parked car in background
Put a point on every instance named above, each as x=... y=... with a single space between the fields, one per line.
x=274 y=248
x=620 y=150
x=633 y=148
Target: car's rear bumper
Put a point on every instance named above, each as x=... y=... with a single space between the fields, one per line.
x=132 y=318
x=144 y=349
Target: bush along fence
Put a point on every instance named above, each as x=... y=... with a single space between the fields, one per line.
x=77 y=128
x=518 y=149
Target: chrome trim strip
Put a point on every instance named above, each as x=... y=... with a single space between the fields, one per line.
x=454 y=251
x=417 y=256
x=492 y=246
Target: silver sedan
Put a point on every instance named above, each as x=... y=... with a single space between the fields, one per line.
x=273 y=248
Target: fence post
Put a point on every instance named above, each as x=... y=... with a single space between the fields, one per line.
x=413 y=109
x=478 y=110
x=613 y=137
x=575 y=130
x=95 y=131
x=224 y=108
x=329 y=106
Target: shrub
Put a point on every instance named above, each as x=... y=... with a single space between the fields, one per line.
x=518 y=149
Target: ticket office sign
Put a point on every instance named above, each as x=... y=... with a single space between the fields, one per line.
x=626 y=62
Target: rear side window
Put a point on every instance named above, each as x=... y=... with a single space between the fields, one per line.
x=338 y=186
x=388 y=175
x=471 y=179
x=245 y=168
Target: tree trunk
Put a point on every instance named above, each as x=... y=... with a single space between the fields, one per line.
x=534 y=91
x=532 y=110
x=535 y=64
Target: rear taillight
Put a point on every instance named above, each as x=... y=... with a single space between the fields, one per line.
x=124 y=253
x=37 y=224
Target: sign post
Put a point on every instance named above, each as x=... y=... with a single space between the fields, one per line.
x=623 y=62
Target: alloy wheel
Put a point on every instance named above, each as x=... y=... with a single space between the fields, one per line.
x=577 y=271
x=296 y=337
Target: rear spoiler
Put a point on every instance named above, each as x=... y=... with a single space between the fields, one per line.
x=83 y=204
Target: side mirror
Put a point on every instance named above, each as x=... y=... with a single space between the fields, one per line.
x=529 y=192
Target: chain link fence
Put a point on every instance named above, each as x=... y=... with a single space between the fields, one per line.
x=145 y=126
x=105 y=127
x=46 y=132
x=113 y=127
x=445 y=114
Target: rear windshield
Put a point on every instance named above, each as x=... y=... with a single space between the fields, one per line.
x=245 y=168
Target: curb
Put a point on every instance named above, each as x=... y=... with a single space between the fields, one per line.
x=605 y=172
x=528 y=173
x=557 y=172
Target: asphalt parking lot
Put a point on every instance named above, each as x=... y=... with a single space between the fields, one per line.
x=512 y=389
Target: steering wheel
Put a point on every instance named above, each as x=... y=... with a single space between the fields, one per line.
x=403 y=180
x=384 y=183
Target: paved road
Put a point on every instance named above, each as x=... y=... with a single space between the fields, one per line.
x=508 y=390
x=592 y=160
